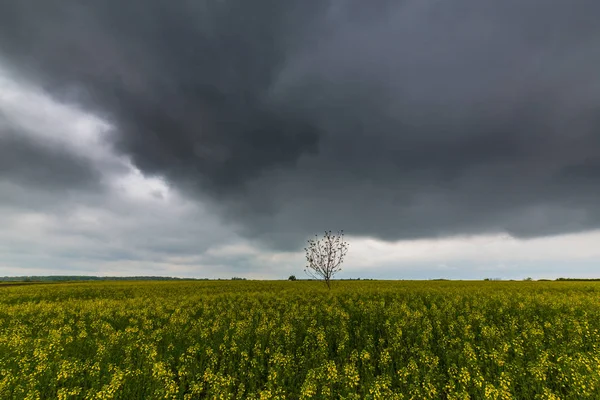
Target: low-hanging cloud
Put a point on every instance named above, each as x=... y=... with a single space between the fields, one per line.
x=408 y=119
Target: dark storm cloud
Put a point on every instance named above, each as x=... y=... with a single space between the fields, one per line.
x=405 y=119
x=186 y=85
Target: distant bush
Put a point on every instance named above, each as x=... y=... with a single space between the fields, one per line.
x=292 y=278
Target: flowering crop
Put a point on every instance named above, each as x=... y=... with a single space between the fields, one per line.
x=296 y=340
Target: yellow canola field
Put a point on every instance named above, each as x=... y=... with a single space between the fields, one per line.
x=297 y=340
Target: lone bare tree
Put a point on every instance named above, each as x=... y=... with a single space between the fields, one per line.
x=325 y=256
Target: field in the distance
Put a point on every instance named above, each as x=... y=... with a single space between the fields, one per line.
x=290 y=340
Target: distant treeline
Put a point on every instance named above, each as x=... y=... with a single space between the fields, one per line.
x=60 y=278
x=544 y=280
x=578 y=279
x=71 y=278
x=66 y=278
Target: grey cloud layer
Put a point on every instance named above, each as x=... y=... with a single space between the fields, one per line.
x=409 y=119
x=26 y=162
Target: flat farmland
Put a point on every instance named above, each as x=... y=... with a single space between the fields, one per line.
x=298 y=340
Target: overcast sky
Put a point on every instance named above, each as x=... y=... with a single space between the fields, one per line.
x=212 y=138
